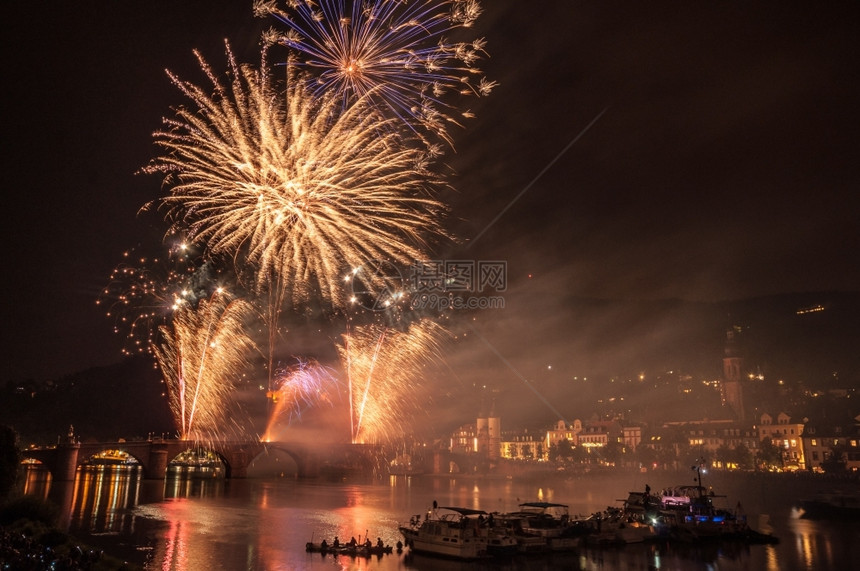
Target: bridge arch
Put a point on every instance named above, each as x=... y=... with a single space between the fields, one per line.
x=154 y=455
x=109 y=455
x=275 y=460
x=199 y=458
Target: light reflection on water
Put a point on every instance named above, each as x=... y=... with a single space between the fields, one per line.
x=196 y=521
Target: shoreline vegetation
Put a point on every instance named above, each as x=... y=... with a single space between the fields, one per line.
x=31 y=540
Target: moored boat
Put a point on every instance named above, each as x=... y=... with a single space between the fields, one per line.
x=458 y=533
x=688 y=514
x=540 y=527
x=513 y=526
x=500 y=544
x=836 y=505
x=546 y=519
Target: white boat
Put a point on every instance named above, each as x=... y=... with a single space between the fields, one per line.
x=526 y=542
x=500 y=544
x=459 y=533
x=616 y=526
x=545 y=519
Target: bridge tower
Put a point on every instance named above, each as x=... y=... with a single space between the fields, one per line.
x=67 y=458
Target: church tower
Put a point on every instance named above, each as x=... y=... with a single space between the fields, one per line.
x=482 y=431
x=494 y=433
x=732 y=384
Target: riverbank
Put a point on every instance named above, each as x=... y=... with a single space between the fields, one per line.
x=30 y=540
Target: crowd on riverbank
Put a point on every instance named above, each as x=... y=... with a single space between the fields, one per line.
x=30 y=540
x=23 y=553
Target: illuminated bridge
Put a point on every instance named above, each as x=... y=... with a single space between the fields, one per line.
x=155 y=455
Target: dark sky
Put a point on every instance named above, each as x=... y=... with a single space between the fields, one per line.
x=720 y=162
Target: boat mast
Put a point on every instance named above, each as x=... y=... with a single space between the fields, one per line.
x=698 y=469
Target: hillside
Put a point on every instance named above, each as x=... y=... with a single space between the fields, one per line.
x=670 y=339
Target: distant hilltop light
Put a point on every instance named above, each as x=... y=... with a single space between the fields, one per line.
x=813 y=309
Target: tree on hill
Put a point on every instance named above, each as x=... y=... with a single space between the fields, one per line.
x=836 y=460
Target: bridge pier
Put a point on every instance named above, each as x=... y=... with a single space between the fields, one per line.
x=157 y=469
x=310 y=468
x=438 y=460
x=239 y=464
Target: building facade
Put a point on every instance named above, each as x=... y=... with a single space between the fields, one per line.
x=785 y=435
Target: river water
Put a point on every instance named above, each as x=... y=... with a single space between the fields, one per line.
x=203 y=522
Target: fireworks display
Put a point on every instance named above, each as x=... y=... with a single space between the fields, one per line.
x=394 y=52
x=202 y=354
x=292 y=187
x=384 y=368
x=310 y=185
x=143 y=292
x=304 y=385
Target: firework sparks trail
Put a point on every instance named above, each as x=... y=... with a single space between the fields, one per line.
x=144 y=291
x=303 y=385
x=395 y=52
x=296 y=190
x=201 y=355
x=367 y=382
x=384 y=366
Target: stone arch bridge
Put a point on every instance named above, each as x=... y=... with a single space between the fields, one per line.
x=155 y=455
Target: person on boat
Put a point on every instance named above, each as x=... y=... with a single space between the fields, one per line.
x=336 y=542
x=353 y=542
x=324 y=545
x=379 y=542
x=367 y=543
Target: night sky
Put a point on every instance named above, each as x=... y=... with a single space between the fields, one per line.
x=632 y=151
